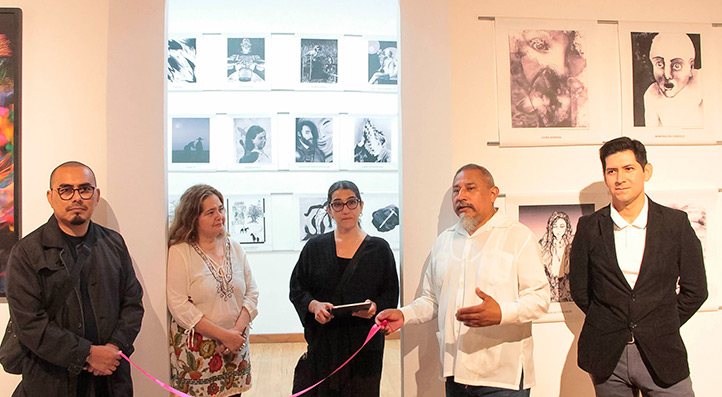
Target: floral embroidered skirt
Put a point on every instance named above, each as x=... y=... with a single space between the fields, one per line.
x=196 y=368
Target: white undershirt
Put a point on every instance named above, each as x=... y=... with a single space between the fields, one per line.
x=629 y=241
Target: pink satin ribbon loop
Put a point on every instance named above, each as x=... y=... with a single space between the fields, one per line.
x=154 y=379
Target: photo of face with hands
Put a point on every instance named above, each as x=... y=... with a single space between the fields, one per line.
x=548 y=79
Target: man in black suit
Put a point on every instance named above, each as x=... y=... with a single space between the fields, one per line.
x=637 y=272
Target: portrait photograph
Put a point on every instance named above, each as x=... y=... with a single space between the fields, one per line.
x=246 y=218
x=667 y=98
x=190 y=140
x=252 y=141
x=313 y=218
x=314 y=140
x=246 y=60
x=545 y=71
x=383 y=62
x=319 y=61
x=373 y=140
x=10 y=89
x=181 y=65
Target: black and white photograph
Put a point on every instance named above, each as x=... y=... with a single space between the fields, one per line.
x=252 y=140
x=554 y=226
x=667 y=79
x=383 y=62
x=381 y=216
x=314 y=140
x=246 y=60
x=372 y=138
x=181 y=67
x=548 y=78
x=247 y=218
x=319 y=61
x=190 y=138
x=313 y=218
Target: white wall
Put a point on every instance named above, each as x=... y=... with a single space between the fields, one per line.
x=449 y=114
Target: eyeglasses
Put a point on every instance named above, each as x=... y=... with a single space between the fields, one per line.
x=67 y=192
x=351 y=204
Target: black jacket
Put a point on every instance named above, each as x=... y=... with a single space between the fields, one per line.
x=56 y=349
x=653 y=311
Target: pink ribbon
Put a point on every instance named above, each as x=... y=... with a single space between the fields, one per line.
x=154 y=379
x=374 y=330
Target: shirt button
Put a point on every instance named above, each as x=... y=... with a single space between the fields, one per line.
x=633 y=325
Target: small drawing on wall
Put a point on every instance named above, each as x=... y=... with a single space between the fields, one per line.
x=372 y=140
x=190 y=140
x=246 y=60
x=181 y=66
x=314 y=220
x=247 y=218
x=314 y=140
x=252 y=140
x=383 y=62
x=319 y=61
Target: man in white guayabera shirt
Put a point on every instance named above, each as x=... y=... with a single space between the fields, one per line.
x=485 y=283
x=636 y=270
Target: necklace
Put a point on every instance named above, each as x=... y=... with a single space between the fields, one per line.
x=222 y=273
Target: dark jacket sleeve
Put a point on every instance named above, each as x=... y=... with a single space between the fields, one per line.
x=692 y=277
x=578 y=266
x=389 y=292
x=299 y=294
x=131 y=305
x=54 y=344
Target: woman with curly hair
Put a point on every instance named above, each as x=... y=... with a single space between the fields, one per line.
x=212 y=297
x=555 y=246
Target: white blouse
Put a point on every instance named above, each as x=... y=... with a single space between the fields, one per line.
x=192 y=289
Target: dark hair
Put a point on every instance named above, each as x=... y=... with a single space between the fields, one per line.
x=343 y=185
x=314 y=131
x=251 y=134
x=73 y=164
x=486 y=175
x=622 y=144
x=189 y=208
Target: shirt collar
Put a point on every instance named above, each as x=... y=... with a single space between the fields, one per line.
x=639 y=223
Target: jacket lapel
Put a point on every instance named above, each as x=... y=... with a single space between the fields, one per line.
x=606 y=226
x=652 y=242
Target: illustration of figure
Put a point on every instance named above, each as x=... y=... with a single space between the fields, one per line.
x=555 y=246
x=254 y=143
x=190 y=146
x=307 y=150
x=181 y=61
x=318 y=219
x=674 y=99
x=199 y=145
x=245 y=66
x=388 y=71
x=318 y=63
x=385 y=219
x=372 y=146
x=548 y=79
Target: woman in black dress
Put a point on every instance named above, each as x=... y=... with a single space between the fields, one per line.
x=332 y=339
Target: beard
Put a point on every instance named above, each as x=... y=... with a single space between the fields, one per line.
x=77 y=220
x=469 y=223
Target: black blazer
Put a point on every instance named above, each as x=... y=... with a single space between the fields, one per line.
x=654 y=310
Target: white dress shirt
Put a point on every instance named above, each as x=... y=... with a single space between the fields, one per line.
x=192 y=290
x=503 y=259
x=629 y=241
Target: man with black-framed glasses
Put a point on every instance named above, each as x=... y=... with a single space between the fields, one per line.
x=72 y=347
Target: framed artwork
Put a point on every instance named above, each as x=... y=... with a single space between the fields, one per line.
x=312 y=216
x=173 y=201
x=546 y=82
x=314 y=142
x=319 y=61
x=553 y=220
x=190 y=141
x=10 y=103
x=182 y=64
x=247 y=221
x=253 y=147
x=246 y=61
x=383 y=63
x=667 y=98
x=381 y=217
x=374 y=142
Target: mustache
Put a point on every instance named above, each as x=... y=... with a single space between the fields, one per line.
x=77 y=207
x=464 y=204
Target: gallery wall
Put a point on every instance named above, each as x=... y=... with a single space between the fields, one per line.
x=93 y=84
x=453 y=76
